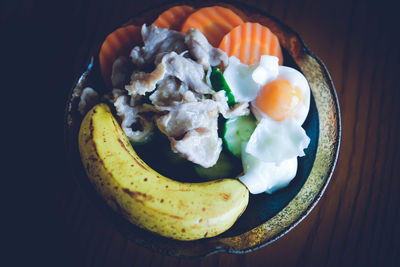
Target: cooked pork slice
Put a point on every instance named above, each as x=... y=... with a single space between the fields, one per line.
x=238 y=109
x=121 y=71
x=157 y=40
x=189 y=96
x=88 y=99
x=134 y=101
x=203 y=52
x=201 y=145
x=170 y=92
x=131 y=118
x=186 y=70
x=187 y=116
x=170 y=64
x=143 y=82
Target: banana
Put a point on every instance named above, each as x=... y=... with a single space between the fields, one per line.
x=183 y=211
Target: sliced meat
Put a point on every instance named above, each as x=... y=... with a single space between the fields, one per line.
x=238 y=109
x=203 y=52
x=88 y=99
x=170 y=64
x=187 y=116
x=189 y=96
x=143 y=82
x=179 y=92
x=201 y=145
x=169 y=93
x=188 y=71
x=131 y=118
x=156 y=41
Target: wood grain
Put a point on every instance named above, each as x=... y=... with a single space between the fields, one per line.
x=356 y=221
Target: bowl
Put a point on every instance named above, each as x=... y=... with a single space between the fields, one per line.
x=267 y=217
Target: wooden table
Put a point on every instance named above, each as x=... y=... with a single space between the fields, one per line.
x=354 y=224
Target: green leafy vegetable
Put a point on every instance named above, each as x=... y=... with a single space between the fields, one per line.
x=218 y=83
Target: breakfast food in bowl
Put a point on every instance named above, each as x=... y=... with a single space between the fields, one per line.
x=215 y=87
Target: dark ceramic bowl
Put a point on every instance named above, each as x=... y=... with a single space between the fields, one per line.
x=267 y=217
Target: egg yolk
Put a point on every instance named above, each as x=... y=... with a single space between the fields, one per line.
x=278 y=100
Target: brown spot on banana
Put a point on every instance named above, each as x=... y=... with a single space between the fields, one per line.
x=225 y=196
x=90 y=135
x=167 y=214
x=124 y=147
x=138 y=196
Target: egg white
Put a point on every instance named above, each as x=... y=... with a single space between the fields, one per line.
x=266 y=177
x=239 y=79
x=274 y=141
x=297 y=80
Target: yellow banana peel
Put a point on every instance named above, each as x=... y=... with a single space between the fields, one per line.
x=183 y=211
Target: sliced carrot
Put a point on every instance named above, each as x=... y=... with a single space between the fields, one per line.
x=214 y=22
x=249 y=41
x=118 y=43
x=174 y=17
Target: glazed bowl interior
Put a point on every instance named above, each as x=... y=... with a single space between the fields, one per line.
x=267 y=217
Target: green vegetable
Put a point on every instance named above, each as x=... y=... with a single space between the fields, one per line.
x=218 y=83
x=224 y=168
x=142 y=142
x=238 y=130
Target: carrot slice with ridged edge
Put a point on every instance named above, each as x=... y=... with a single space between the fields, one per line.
x=118 y=43
x=249 y=41
x=214 y=22
x=174 y=17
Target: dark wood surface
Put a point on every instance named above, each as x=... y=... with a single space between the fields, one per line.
x=356 y=223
